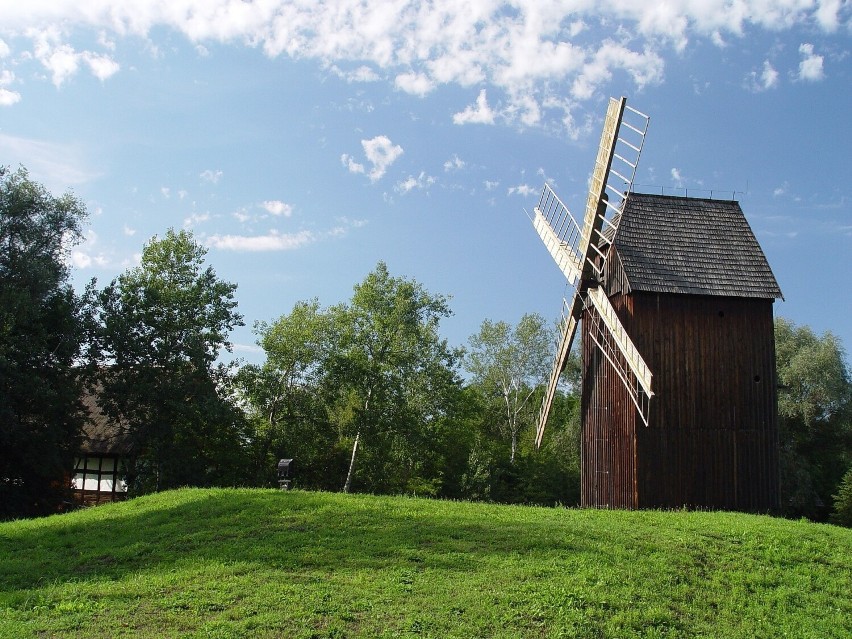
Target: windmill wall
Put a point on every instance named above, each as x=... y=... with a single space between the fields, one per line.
x=712 y=437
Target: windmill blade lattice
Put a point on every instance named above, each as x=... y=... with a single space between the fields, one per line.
x=581 y=251
x=607 y=332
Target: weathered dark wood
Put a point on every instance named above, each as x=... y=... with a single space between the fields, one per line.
x=712 y=437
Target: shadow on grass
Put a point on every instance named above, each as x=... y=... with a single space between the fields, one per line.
x=289 y=531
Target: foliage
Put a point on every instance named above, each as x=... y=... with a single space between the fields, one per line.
x=546 y=476
x=41 y=332
x=163 y=325
x=397 y=376
x=372 y=373
x=842 y=514
x=251 y=563
x=815 y=414
x=284 y=399
x=511 y=363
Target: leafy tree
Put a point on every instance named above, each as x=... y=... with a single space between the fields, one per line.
x=163 y=326
x=511 y=363
x=41 y=332
x=396 y=377
x=372 y=371
x=546 y=476
x=285 y=399
x=815 y=414
x=842 y=514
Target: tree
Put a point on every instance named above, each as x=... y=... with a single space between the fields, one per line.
x=372 y=371
x=163 y=325
x=41 y=333
x=815 y=415
x=396 y=376
x=285 y=398
x=842 y=515
x=511 y=363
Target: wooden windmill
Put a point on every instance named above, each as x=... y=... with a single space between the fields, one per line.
x=678 y=286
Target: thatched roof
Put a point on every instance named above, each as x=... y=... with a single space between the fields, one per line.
x=101 y=435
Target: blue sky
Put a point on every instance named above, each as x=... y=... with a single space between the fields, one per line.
x=302 y=142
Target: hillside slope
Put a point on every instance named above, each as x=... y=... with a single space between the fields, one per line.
x=255 y=563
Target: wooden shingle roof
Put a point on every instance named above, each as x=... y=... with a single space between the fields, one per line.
x=671 y=244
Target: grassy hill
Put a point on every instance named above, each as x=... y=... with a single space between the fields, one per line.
x=255 y=563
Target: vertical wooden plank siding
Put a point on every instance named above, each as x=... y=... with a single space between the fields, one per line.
x=712 y=438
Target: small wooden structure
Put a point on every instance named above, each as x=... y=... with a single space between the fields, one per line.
x=99 y=470
x=694 y=291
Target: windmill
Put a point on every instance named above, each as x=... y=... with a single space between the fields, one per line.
x=581 y=253
x=678 y=286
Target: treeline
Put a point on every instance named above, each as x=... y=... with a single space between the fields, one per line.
x=364 y=394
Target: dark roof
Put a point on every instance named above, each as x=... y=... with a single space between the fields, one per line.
x=671 y=244
x=101 y=435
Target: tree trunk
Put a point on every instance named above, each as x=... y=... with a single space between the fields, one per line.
x=348 y=483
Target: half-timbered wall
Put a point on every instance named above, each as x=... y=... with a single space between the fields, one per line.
x=98 y=479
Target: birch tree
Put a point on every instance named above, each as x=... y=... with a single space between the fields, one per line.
x=395 y=369
x=511 y=363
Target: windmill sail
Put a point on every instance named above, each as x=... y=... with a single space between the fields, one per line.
x=581 y=251
x=610 y=336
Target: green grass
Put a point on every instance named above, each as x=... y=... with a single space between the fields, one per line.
x=254 y=563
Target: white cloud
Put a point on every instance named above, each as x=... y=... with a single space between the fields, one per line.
x=277 y=207
x=165 y=192
x=455 y=163
x=644 y=68
x=677 y=177
x=349 y=162
x=80 y=259
x=101 y=66
x=350 y=223
x=810 y=68
x=490 y=185
x=105 y=41
x=63 y=61
x=524 y=190
x=211 y=176
x=57 y=165
x=83 y=257
x=422 y=181
x=272 y=241
x=767 y=79
x=128 y=231
x=414 y=83
x=195 y=219
x=8 y=98
x=241 y=216
x=380 y=152
x=481 y=113
x=526 y=52
x=361 y=74
x=247 y=348
x=826 y=14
